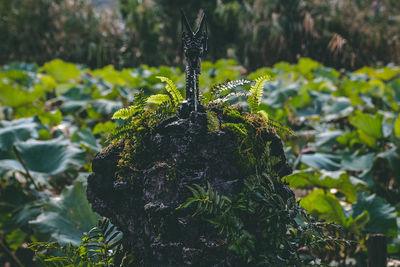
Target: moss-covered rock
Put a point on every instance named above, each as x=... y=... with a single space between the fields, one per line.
x=141 y=185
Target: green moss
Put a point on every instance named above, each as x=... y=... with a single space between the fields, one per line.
x=232 y=115
x=236 y=129
x=247 y=143
x=213 y=123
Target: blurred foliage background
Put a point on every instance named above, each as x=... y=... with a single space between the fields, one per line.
x=339 y=33
x=346 y=115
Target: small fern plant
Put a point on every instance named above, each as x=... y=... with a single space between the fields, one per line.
x=256 y=91
x=208 y=202
x=101 y=246
x=173 y=95
x=223 y=92
x=131 y=118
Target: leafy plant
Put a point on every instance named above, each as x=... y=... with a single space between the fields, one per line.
x=278 y=219
x=282 y=130
x=208 y=202
x=131 y=118
x=173 y=94
x=256 y=91
x=100 y=246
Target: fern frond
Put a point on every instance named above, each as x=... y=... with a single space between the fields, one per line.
x=172 y=90
x=228 y=85
x=208 y=202
x=139 y=102
x=101 y=246
x=229 y=97
x=124 y=113
x=158 y=99
x=281 y=129
x=124 y=131
x=256 y=91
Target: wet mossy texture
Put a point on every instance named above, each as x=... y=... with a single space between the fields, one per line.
x=139 y=184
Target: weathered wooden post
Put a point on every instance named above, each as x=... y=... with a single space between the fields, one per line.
x=377 y=253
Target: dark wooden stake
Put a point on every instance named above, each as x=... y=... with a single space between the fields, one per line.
x=377 y=254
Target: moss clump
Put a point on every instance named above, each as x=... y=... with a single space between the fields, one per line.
x=213 y=123
x=236 y=129
x=232 y=115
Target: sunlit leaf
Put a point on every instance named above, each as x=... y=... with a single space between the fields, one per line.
x=324 y=205
x=60 y=70
x=368 y=124
x=53 y=117
x=357 y=163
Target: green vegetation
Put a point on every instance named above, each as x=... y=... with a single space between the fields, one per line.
x=255 y=32
x=55 y=118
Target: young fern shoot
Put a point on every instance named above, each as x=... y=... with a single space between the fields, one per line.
x=256 y=91
x=172 y=95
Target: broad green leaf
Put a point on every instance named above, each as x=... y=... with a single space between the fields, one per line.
x=301 y=100
x=357 y=163
x=337 y=107
x=327 y=180
x=366 y=139
x=325 y=140
x=48 y=83
x=105 y=107
x=322 y=161
x=327 y=73
x=106 y=127
x=61 y=71
x=86 y=138
x=382 y=73
x=382 y=215
x=357 y=224
x=306 y=65
x=51 y=157
x=324 y=205
x=77 y=93
x=14 y=97
x=16 y=131
x=52 y=118
x=15 y=238
x=9 y=165
x=109 y=74
x=368 y=124
x=74 y=107
x=66 y=217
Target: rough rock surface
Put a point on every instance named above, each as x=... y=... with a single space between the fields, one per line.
x=142 y=203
